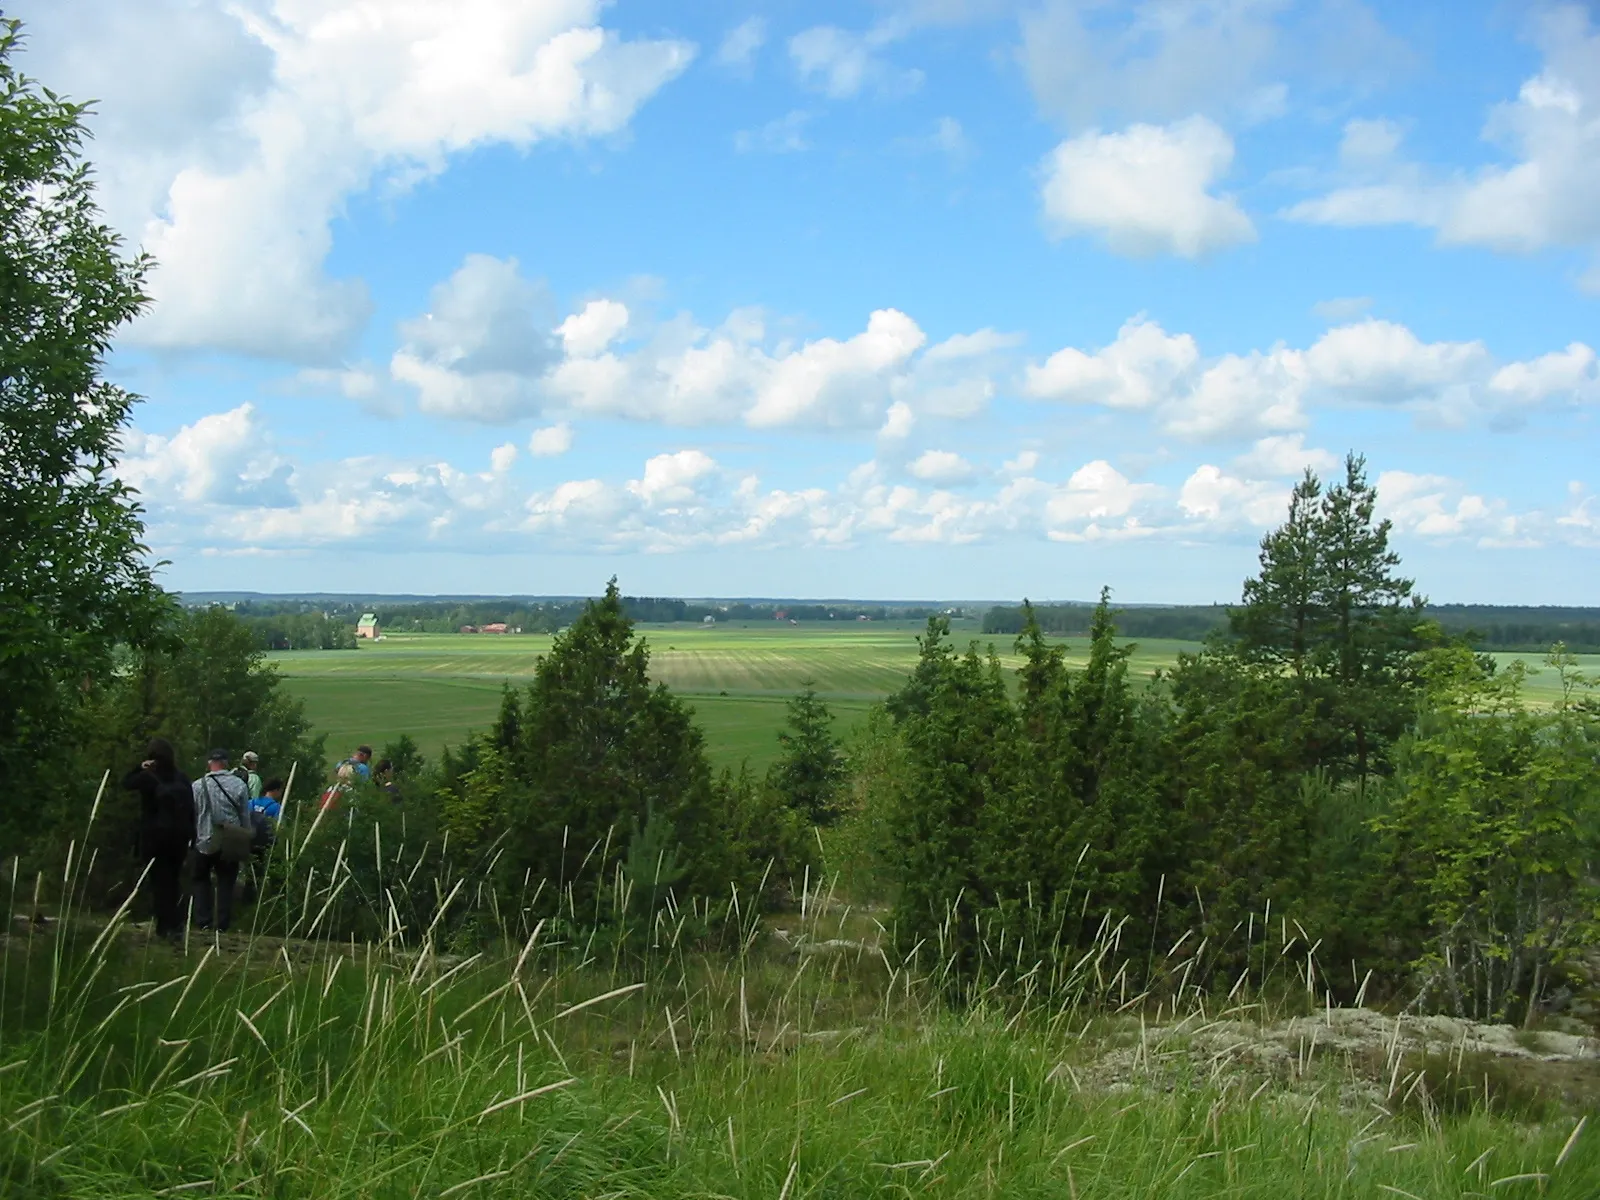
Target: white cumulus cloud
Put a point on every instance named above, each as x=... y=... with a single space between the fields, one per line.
x=1147 y=190
x=1211 y=494
x=551 y=441
x=898 y=421
x=1267 y=393
x=251 y=125
x=1389 y=363
x=1098 y=492
x=673 y=478
x=221 y=485
x=587 y=333
x=940 y=466
x=1546 y=191
x=1570 y=372
x=223 y=458
x=482 y=346
x=489 y=350
x=1283 y=455
x=502 y=458
x=1136 y=371
x=1435 y=506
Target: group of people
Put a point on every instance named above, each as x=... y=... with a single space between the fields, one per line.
x=227 y=815
x=359 y=766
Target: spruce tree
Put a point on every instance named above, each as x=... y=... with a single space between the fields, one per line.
x=810 y=772
x=601 y=753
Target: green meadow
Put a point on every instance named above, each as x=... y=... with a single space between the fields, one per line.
x=796 y=1057
x=440 y=687
x=738 y=678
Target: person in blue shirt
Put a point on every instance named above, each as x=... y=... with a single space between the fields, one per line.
x=265 y=810
x=361 y=762
x=270 y=802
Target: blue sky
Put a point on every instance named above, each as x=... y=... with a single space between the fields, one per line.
x=908 y=298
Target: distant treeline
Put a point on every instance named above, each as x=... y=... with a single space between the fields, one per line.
x=1508 y=627
x=298 y=630
x=1488 y=626
x=294 y=623
x=328 y=623
x=1191 y=623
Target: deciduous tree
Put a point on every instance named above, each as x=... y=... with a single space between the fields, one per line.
x=74 y=577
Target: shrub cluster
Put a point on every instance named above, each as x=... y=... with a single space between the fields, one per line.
x=1332 y=761
x=590 y=800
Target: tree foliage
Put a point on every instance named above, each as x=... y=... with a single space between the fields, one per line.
x=1329 y=610
x=588 y=768
x=1494 y=821
x=810 y=771
x=1335 y=768
x=74 y=581
x=201 y=683
x=1040 y=808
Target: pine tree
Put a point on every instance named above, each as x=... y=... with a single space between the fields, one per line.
x=1371 y=619
x=1279 y=619
x=1329 y=608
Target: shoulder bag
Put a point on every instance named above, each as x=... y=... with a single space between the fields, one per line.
x=230 y=841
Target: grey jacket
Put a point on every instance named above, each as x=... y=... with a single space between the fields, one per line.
x=220 y=796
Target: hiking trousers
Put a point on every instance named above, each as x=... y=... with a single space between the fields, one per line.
x=165 y=853
x=166 y=892
x=227 y=874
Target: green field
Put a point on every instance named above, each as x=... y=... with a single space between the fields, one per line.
x=440 y=687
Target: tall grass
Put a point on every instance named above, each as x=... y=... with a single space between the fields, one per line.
x=701 y=1055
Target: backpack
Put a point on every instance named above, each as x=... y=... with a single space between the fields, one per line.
x=262 y=834
x=174 y=807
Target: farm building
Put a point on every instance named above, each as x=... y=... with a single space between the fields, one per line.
x=494 y=627
x=367 y=627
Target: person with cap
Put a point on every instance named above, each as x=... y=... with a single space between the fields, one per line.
x=220 y=798
x=249 y=761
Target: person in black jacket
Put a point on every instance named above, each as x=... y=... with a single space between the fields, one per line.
x=166 y=827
